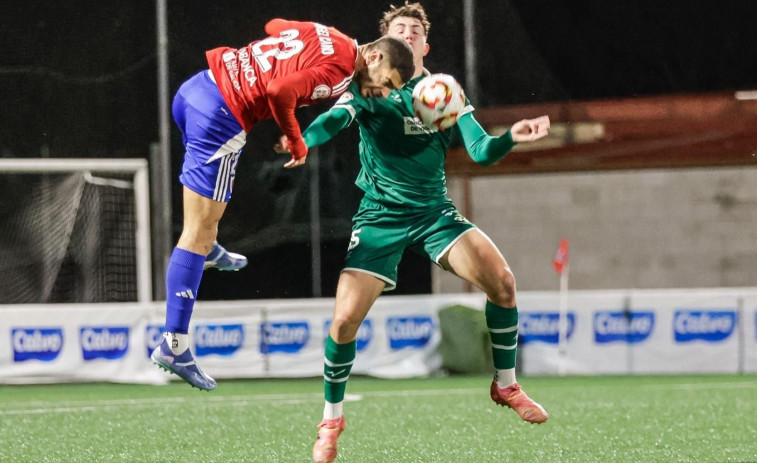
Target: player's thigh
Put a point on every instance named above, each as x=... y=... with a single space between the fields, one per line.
x=201 y=217
x=475 y=258
x=376 y=249
x=436 y=232
x=201 y=212
x=213 y=139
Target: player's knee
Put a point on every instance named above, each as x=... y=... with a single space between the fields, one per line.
x=502 y=288
x=344 y=329
x=198 y=239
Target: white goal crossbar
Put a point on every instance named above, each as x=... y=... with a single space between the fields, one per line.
x=141 y=198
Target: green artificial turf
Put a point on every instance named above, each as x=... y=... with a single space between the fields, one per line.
x=710 y=418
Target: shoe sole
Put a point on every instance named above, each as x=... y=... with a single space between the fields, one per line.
x=527 y=421
x=505 y=404
x=225 y=269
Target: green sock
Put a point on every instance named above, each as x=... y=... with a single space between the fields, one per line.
x=503 y=331
x=336 y=369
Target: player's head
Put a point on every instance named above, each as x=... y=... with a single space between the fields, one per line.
x=387 y=64
x=410 y=23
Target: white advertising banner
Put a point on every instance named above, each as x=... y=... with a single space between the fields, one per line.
x=590 y=334
x=77 y=342
x=689 y=332
x=399 y=338
x=641 y=331
x=230 y=339
x=607 y=332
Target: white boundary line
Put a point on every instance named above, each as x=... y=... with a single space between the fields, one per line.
x=79 y=406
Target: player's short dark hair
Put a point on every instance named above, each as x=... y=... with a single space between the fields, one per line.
x=410 y=10
x=398 y=52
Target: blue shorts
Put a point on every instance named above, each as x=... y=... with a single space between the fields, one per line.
x=212 y=138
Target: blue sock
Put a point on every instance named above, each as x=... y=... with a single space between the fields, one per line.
x=182 y=282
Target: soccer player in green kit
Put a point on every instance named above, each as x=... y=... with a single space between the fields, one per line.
x=405 y=206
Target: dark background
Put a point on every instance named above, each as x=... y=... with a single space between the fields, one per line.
x=79 y=79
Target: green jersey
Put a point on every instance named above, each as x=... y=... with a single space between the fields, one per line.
x=402 y=159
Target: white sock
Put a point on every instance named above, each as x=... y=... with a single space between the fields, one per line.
x=177 y=342
x=331 y=411
x=505 y=377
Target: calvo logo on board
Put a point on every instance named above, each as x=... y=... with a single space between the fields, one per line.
x=703 y=325
x=222 y=340
x=283 y=337
x=44 y=344
x=409 y=332
x=543 y=327
x=627 y=326
x=104 y=342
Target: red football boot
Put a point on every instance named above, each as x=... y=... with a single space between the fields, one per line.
x=324 y=450
x=514 y=397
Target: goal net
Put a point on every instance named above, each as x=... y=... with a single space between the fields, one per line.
x=74 y=230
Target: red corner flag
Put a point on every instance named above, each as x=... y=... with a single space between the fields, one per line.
x=561 y=256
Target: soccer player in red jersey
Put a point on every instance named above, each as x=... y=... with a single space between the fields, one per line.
x=298 y=64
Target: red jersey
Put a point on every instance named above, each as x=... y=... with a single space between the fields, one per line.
x=297 y=65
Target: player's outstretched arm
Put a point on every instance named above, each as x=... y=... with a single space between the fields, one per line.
x=486 y=150
x=326 y=126
x=482 y=147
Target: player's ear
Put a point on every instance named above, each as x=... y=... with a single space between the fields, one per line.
x=374 y=58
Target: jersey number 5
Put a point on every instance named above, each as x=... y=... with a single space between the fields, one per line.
x=286 y=38
x=354 y=239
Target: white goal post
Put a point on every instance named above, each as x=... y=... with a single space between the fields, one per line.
x=127 y=175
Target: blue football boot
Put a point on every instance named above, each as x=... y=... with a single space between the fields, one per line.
x=222 y=259
x=182 y=365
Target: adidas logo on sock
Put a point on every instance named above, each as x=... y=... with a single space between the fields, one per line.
x=186 y=294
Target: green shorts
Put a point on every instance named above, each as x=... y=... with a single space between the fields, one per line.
x=381 y=234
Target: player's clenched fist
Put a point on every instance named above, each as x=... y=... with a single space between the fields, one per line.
x=530 y=129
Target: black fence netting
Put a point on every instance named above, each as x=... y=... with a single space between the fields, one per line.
x=79 y=79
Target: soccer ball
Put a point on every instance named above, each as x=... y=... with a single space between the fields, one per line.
x=437 y=100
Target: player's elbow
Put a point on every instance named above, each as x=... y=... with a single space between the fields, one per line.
x=486 y=151
x=482 y=161
x=275 y=89
x=480 y=154
x=280 y=93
